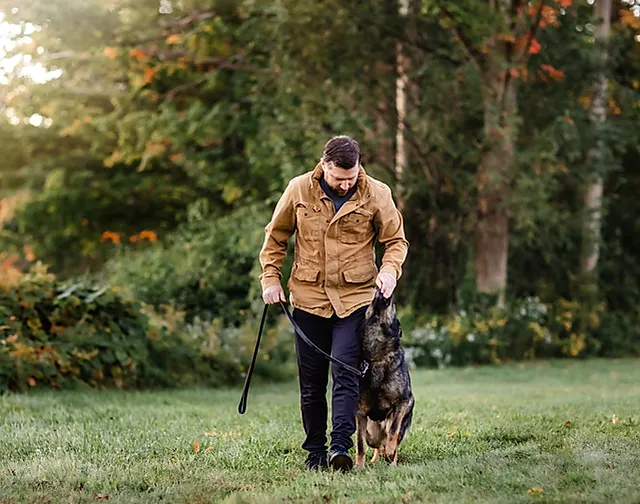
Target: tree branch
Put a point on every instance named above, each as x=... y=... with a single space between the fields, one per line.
x=474 y=56
x=532 y=31
x=187 y=20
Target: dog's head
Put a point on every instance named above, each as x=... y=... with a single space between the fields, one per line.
x=381 y=317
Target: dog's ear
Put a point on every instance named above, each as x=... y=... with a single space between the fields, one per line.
x=396 y=329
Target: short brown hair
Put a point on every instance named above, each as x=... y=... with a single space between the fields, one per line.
x=343 y=151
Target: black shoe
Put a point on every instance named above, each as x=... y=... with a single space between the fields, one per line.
x=315 y=461
x=340 y=460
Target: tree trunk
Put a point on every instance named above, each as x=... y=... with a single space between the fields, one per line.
x=593 y=190
x=401 y=110
x=491 y=244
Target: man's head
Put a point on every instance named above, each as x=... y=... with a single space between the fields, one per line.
x=341 y=163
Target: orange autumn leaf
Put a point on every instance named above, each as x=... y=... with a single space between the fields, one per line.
x=613 y=107
x=196 y=446
x=149 y=235
x=31 y=382
x=174 y=39
x=12 y=338
x=149 y=73
x=514 y=73
x=628 y=18
x=535 y=491
x=28 y=253
x=552 y=72
x=549 y=16
x=535 y=47
x=108 y=235
x=139 y=55
x=111 y=52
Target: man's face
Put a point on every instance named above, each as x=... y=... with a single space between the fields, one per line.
x=339 y=179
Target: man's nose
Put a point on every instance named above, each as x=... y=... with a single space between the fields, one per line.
x=344 y=186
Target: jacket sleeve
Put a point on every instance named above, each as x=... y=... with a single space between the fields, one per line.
x=277 y=234
x=390 y=226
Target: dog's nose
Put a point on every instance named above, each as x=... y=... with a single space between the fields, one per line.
x=380 y=302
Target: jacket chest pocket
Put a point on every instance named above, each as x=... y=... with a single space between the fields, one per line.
x=309 y=222
x=355 y=226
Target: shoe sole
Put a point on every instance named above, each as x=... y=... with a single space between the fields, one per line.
x=342 y=463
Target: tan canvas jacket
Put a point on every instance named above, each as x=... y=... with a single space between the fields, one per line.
x=334 y=268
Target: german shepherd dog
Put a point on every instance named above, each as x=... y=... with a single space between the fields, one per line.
x=385 y=405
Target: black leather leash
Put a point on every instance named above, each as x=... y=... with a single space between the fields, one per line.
x=242 y=407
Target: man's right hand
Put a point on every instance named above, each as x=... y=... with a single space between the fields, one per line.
x=274 y=294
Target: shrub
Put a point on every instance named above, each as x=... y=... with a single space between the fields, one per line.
x=207 y=269
x=524 y=329
x=74 y=334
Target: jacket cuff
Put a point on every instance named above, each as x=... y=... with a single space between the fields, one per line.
x=387 y=268
x=269 y=281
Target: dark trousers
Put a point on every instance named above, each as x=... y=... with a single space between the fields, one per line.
x=340 y=338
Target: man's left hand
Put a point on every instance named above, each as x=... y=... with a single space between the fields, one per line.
x=386 y=282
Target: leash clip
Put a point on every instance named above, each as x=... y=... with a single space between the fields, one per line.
x=364 y=368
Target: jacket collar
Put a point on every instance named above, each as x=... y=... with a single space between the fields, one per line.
x=363 y=184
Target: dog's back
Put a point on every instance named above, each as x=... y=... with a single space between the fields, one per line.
x=385 y=407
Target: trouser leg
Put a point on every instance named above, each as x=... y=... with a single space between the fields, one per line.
x=313 y=373
x=346 y=346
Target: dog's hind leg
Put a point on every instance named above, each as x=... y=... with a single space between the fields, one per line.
x=361 y=432
x=396 y=429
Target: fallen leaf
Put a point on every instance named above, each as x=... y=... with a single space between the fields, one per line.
x=174 y=39
x=615 y=419
x=535 y=491
x=196 y=446
x=97 y=496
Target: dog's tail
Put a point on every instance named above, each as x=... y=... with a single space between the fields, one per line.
x=406 y=421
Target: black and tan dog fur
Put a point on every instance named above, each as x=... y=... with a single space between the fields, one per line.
x=385 y=405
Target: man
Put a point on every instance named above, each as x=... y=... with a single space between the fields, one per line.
x=337 y=211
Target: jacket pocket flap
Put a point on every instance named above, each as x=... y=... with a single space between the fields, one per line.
x=360 y=274
x=306 y=274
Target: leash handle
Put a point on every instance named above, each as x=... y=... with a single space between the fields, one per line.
x=306 y=339
x=242 y=407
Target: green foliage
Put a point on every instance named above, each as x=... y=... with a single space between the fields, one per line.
x=157 y=105
x=525 y=329
x=206 y=268
x=63 y=334
x=75 y=334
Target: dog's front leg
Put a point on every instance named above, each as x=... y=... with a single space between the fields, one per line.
x=393 y=433
x=361 y=431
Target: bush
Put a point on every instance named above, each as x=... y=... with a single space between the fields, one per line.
x=207 y=269
x=74 y=334
x=63 y=334
x=524 y=329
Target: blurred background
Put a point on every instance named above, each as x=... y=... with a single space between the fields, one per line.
x=144 y=144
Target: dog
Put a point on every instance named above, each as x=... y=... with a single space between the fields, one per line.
x=385 y=403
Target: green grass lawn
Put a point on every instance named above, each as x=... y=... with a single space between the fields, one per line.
x=489 y=434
